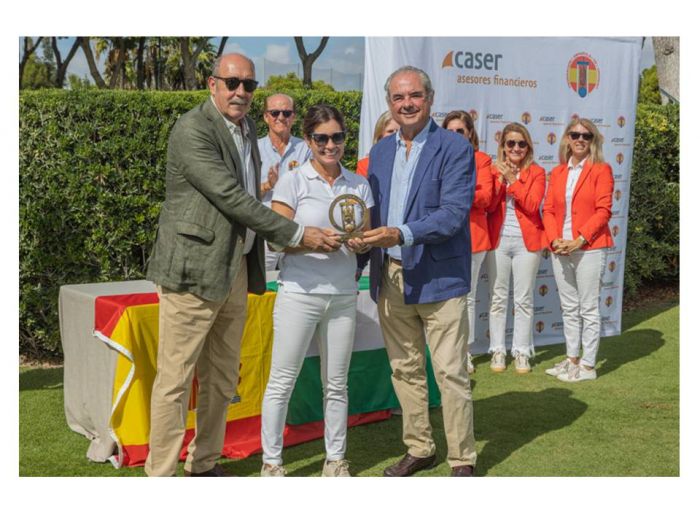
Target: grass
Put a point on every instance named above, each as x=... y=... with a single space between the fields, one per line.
x=626 y=423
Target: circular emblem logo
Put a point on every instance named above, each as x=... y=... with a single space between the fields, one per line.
x=608 y=301
x=497 y=136
x=526 y=118
x=582 y=74
x=618 y=195
x=621 y=121
x=619 y=158
x=545 y=254
x=612 y=265
x=539 y=326
x=474 y=114
x=543 y=290
x=615 y=230
x=551 y=138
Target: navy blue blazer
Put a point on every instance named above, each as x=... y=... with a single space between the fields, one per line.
x=438 y=265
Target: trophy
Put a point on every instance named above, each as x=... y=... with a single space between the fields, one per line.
x=354 y=215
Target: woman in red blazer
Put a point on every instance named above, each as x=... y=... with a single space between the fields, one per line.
x=576 y=214
x=384 y=127
x=461 y=122
x=517 y=237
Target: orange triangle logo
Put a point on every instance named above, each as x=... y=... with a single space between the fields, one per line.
x=447 y=61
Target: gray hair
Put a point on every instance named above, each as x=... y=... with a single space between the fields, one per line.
x=290 y=99
x=424 y=78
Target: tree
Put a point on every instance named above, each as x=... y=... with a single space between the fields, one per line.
x=87 y=50
x=649 y=87
x=29 y=48
x=307 y=60
x=667 y=51
x=61 y=64
x=75 y=82
x=291 y=82
x=37 y=74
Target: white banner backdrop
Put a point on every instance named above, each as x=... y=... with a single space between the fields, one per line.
x=542 y=83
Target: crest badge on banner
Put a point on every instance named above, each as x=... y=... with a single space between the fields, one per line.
x=541 y=83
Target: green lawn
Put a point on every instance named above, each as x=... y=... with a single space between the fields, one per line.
x=626 y=423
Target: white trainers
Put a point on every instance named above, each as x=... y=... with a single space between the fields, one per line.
x=559 y=368
x=470 y=364
x=577 y=373
x=272 y=471
x=522 y=363
x=498 y=361
x=336 y=469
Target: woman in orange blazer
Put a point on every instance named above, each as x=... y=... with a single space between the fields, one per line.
x=576 y=212
x=461 y=122
x=384 y=127
x=517 y=237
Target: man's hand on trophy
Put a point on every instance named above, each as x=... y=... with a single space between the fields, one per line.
x=382 y=237
x=320 y=240
x=357 y=245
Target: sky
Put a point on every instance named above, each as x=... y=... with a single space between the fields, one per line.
x=343 y=55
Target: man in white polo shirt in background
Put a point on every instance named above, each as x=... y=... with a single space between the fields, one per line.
x=280 y=152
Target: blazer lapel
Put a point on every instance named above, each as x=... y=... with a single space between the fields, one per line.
x=426 y=156
x=225 y=136
x=584 y=175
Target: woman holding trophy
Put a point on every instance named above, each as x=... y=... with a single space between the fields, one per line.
x=317 y=292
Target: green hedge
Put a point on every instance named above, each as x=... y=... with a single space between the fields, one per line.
x=654 y=217
x=92 y=167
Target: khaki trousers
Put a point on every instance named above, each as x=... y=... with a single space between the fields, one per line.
x=405 y=328
x=206 y=335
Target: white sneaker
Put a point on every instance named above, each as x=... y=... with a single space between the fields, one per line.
x=522 y=363
x=577 y=373
x=470 y=364
x=272 y=471
x=559 y=368
x=498 y=361
x=336 y=469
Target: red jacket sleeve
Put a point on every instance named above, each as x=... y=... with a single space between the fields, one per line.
x=483 y=190
x=529 y=199
x=603 y=191
x=549 y=218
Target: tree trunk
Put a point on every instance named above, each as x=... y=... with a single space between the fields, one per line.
x=140 y=72
x=62 y=66
x=667 y=50
x=189 y=61
x=307 y=60
x=28 y=51
x=121 y=42
x=221 y=46
x=87 y=50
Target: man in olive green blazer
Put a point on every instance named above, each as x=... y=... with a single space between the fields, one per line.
x=207 y=256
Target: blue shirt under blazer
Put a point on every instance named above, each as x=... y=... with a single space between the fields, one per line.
x=437 y=265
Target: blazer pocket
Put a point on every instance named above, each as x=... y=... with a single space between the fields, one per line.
x=189 y=229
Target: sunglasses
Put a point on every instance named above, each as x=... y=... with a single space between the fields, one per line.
x=575 y=135
x=321 y=139
x=274 y=113
x=232 y=83
x=522 y=144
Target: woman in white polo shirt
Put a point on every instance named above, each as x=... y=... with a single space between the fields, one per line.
x=317 y=294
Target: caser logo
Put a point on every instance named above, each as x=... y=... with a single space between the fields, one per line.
x=469 y=60
x=582 y=74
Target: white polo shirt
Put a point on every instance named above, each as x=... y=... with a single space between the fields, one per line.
x=295 y=154
x=305 y=191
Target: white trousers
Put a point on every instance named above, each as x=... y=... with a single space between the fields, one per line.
x=272 y=258
x=477 y=261
x=578 y=278
x=512 y=256
x=297 y=318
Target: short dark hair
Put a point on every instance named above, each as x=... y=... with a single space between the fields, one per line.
x=319 y=114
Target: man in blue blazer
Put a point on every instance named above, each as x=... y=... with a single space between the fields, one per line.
x=422 y=179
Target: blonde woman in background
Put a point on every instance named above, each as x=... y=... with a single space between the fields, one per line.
x=384 y=127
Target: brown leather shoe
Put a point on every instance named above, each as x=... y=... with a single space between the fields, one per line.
x=409 y=465
x=463 y=471
x=216 y=472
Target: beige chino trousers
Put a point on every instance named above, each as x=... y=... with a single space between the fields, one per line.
x=405 y=328
x=206 y=336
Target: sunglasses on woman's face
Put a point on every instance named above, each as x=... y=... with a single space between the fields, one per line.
x=274 y=113
x=520 y=143
x=232 y=83
x=575 y=135
x=321 y=139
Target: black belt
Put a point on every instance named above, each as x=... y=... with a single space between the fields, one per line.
x=392 y=259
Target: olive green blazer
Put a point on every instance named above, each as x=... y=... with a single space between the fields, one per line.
x=203 y=221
